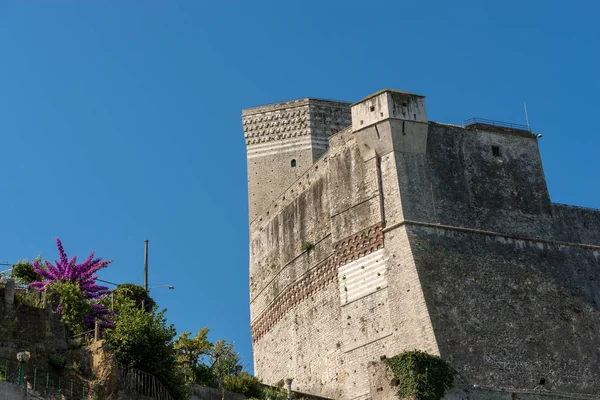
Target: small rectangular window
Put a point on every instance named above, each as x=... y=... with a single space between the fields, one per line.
x=496 y=151
x=372 y=108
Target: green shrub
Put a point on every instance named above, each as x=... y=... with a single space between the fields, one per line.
x=243 y=383
x=57 y=360
x=134 y=292
x=31 y=298
x=422 y=376
x=23 y=272
x=269 y=393
x=71 y=303
x=203 y=375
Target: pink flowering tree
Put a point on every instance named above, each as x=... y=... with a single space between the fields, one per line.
x=79 y=281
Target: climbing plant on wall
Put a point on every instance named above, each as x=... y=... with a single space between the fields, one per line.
x=421 y=376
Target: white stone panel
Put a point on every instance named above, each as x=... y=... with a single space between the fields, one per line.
x=362 y=277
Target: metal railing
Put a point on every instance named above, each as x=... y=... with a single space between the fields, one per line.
x=483 y=121
x=44 y=382
x=143 y=383
x=40 y=381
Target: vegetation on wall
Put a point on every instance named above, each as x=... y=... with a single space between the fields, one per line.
x=307 y=246
x=421 y=376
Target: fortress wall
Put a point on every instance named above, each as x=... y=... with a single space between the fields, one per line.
x=327 y=118
x=305 y=345
x=301 y=306
x=508 y=312
x=462 y=183
x=277 y=257
x=575 y=224
x=411 y=324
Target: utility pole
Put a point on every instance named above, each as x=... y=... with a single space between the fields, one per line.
x=146 y=265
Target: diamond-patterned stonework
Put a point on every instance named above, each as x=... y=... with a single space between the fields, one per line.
x=276 y=125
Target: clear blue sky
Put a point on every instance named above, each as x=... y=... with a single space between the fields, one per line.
x=120 y=120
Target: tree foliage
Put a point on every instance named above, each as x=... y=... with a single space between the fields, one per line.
x=136 y=293
x=143 y=340
x=223 y=359
x=24 y=273
x=190 y=350
x=206 y=362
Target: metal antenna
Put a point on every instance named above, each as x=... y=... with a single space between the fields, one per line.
x=146 y=265
x=527 y=117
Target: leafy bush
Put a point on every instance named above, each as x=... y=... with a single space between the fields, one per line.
x=243 y=383
x=269 y=393
x=29 y=298
x=422 y=376
x=203 y=375
x=57 y=360
x=136 y=293
x=23 y=272
x=71 y=304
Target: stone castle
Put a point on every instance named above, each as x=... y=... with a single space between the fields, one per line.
x=375 y=231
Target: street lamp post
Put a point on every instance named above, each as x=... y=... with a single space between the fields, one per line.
x=171 y=287
x=22 y=357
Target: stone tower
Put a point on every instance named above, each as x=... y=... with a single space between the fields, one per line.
x=283 y=140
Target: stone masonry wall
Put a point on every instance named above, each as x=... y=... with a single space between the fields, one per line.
x=509 y=312
x=23 y=328
x=321 y=315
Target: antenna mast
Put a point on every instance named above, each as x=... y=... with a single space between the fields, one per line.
x=527 y=117
x=146 y=265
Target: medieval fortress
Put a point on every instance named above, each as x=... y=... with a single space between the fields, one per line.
x=374 y=231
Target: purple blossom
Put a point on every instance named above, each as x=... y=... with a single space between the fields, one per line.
x=82 y=275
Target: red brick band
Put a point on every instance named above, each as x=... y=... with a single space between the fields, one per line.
x=344 y=251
